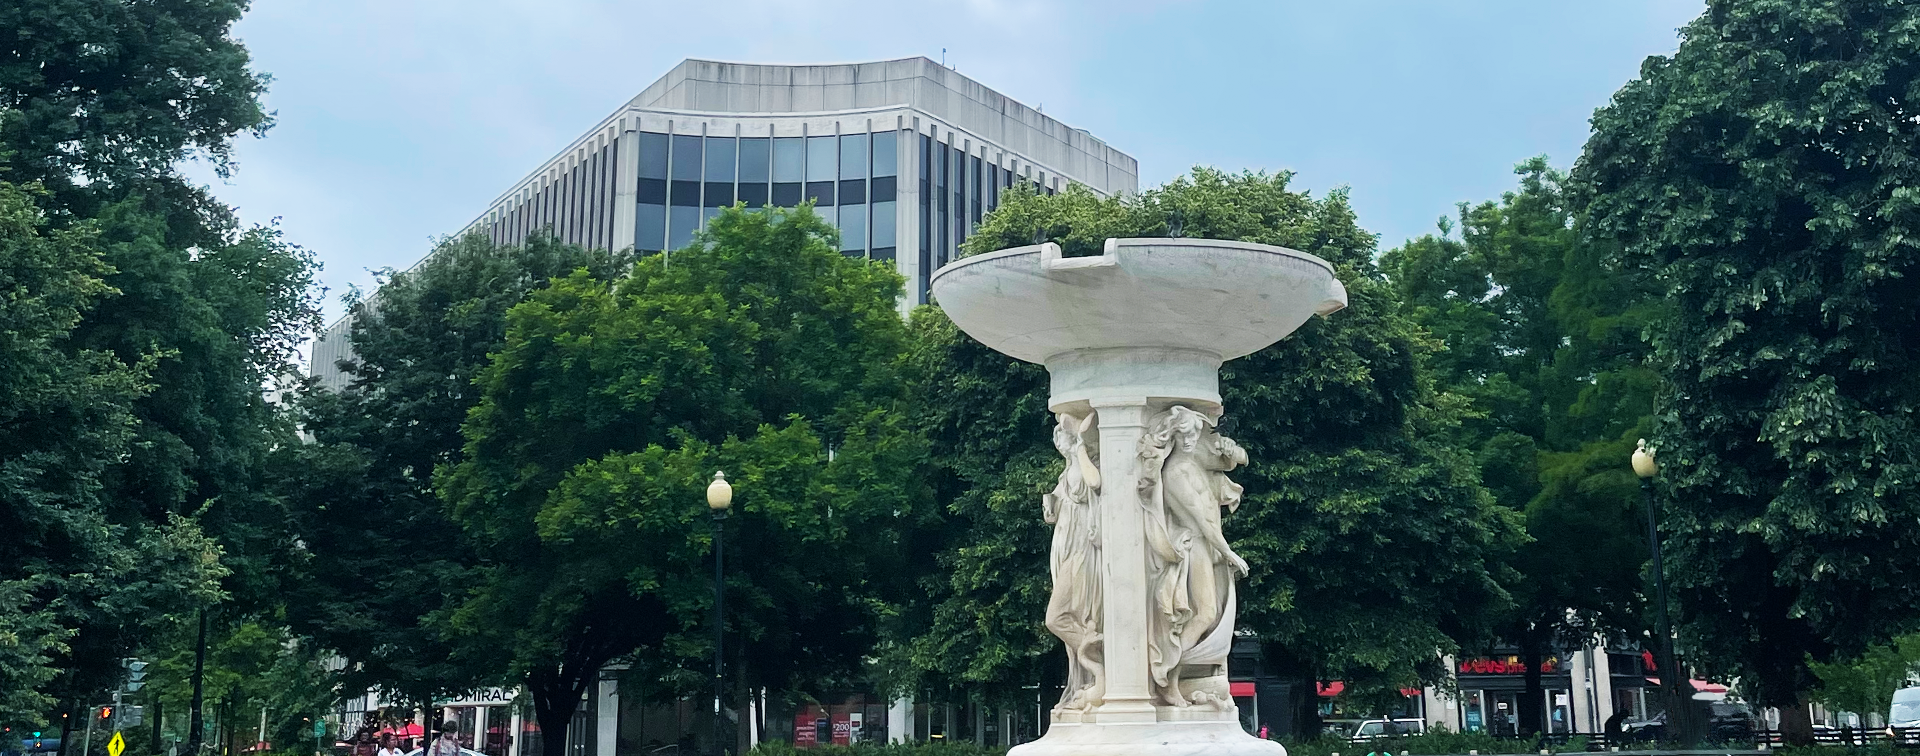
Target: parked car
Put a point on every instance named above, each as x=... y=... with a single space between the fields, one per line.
x=1730 y=723
x=1386 y=728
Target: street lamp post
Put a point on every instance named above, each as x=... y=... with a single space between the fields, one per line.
x=1679 y=723
x=719 y=499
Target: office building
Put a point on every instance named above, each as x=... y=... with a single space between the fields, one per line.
x=903 y=156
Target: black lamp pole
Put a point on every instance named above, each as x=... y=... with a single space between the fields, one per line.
x=719 y=499
x=1672 y=679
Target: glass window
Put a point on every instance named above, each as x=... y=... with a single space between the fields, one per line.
x=853 y=156
x=973 y=190
x=822 y=163
x=653 y=155
x=753 y=159
x=681 y=223
x=719 y=194
x=883 y=189
x=787 y=195
x=706 y=215
x=789 y=159
x=821 y=192
x=650 y=228
x=721 y=152
x=881 y=253
x=853 y=191
x=884 y=221
x=686 y=158
x=886 y=154
x=653 y=191
x=754 y=195
x=684 y=193
x=853 y=228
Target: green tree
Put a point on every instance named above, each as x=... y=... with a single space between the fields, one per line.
x=759 y=350
x=1764 y=175
x=1541 y=335
x=111 y=94
x=1352 y=479
x=102 y=101
x=380 y=556
x=67 y=417
x=1865 y=684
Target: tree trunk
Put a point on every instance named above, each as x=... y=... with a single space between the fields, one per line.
x=159 y=743
x=1306 y=708
x=1796 y=723
x=555 y=699
x=1533 y=701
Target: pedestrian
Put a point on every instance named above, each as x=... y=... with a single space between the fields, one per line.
x=448 y=744
x=387 y=747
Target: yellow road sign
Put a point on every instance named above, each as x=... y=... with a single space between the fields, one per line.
x=116 y=745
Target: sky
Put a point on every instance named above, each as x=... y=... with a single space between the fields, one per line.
x=399 y=121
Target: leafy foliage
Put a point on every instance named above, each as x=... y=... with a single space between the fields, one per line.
x=1764 y=174
x=759 y=350
x=380 y=555
x=1865 y=684
x=1541 y=336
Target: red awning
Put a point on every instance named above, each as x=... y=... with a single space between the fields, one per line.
x=411 y=730
x=1699 y=686
x=1240 y=689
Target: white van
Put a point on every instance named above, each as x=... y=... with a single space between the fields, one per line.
x=1903 y=722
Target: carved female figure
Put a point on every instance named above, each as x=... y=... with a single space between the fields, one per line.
x=1185 y=485
x=1073 y=609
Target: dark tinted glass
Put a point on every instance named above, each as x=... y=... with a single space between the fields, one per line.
x=754 y=195
x=721 y=152
x=821 y=192
x=881 y=253
x=686 y=158
x=787 y=195
x=653 y=191
x=719 y=194
x=753 y=159
x=853 y=191
x=684 y=194
x=789 y=159
x=883 y=188
x=653 y=155
x=886 y=153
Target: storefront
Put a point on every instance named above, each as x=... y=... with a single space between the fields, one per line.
x=486 y=719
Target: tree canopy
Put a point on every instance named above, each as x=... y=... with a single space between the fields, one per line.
x=1764 y=175
x=759 y=350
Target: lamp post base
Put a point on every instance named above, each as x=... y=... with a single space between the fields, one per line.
x=1206 y=738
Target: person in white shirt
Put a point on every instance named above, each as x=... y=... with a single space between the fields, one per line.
x=387 y=748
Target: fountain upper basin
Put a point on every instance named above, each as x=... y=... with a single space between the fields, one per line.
x=1147 y=317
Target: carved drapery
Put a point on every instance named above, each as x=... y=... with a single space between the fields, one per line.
x=1190 y=567
x=1073 y=609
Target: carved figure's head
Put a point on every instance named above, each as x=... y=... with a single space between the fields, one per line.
x=1186 y=426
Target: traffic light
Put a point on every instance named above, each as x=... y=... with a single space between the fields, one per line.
x=106 y=712
x=136 y=673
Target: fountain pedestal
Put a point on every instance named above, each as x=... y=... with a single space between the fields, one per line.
x=1143 y=580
